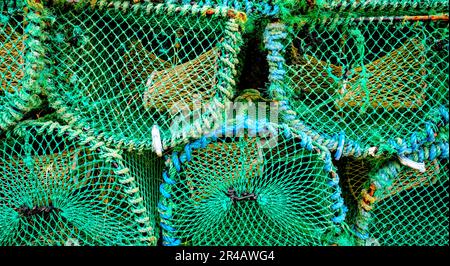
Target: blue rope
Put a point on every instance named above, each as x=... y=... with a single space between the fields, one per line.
x=336 y=195
x=187 y=151
x=339 y=219
x=203 y=142
x=421 y=155
x=170 y=241
x=258 y=127
x=340 y=147
x=433 y=152
x=164 y=192
x=328 y=163
x=176 y=162
x=162 y=207
x=444 y=150
x=362 y=236
x=165 y=216
x=430 y=132
x=444 y=113
x=167 y=179
x=338 y=205
x=167 y=227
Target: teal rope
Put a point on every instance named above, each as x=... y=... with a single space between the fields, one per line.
x=17 y=104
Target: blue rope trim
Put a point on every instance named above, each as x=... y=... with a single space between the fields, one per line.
x=162 y=207
x=339 y=219
x=164 y=192
x=417 y=140
x=433 y=152
x=362 y=236
x=340 y=147
x=167 y=179
x=444 y=150
x=187 y=151
x=328 y=166
x=176 y=161
x=169 y=241
x=444 y=114
x=430 y=132
x=165 y=216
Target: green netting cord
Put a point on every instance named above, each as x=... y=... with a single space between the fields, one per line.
x=61 y=187
x=257 y=188
x=401 y=206
x=22 y=60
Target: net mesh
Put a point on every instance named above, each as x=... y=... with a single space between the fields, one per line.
x=147 y=168
x=410 y=208
x=249 y=190
x=59 y=187
x=354 y=174
x=371 y=79
x=20 y=61
x=120 y=70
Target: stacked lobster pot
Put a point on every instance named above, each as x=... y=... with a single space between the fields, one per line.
x=125 y=71
x=62 y=187
x=251 y=184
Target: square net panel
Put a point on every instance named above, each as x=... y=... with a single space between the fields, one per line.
x=59 y=187
x=251 y=189
x=121 y=69
x=400 y=206
x=21 y=60
x=373 y=79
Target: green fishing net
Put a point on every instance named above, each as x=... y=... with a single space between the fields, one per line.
x=371 y=78
x=250 y=189
x=401 y=206
x=60 y=187
x=120 y=68
x=20 y=60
